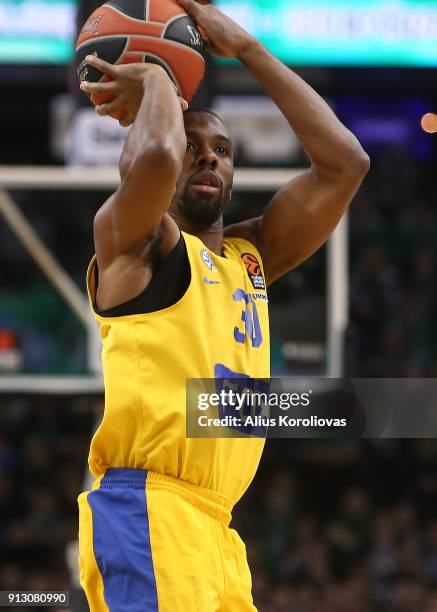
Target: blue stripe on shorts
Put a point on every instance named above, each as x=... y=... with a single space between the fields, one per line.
x=122 y=541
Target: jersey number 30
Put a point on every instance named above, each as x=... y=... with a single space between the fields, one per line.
x=249 y=316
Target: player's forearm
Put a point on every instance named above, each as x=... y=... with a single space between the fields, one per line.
x=329 y=144
x=158 y=129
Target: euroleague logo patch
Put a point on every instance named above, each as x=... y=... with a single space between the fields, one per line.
x=207 y=260
x=254 y=271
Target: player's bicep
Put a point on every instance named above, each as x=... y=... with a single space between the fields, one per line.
x=300 y=218
x=143 y=197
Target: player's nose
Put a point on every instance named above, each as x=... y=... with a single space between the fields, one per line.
x=207 y=157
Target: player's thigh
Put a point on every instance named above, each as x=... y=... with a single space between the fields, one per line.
x=238 y=592
x=186 y=558
x=90 y=577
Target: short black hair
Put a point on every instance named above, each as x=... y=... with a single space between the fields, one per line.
x=195 y=109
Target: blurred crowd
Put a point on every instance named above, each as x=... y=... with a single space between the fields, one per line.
x=393 y=296
x=329 y=525
x=343 y=526
x=43 y=448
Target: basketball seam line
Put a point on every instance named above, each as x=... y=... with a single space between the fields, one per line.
x=114 y=8
x=118 y=58
x=165 y=25
x=92 y=40
x=168 y=23
x=173 y=76
x=122 y=53
x=173 y=42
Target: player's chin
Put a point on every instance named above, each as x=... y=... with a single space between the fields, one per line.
x=203 y=211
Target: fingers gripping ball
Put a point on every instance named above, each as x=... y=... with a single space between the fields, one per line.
x=156 y=31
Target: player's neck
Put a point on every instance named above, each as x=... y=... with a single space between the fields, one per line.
x=213 y=240
x=212 y=237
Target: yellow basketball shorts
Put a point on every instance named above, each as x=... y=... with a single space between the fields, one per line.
x=150 y=543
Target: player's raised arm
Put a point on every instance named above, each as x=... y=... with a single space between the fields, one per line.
x=152 y=158
x=304 y=212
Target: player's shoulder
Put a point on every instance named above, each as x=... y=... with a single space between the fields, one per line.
x=245 y=230
x=243 y=237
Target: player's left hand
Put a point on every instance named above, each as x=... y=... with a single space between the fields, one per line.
x=224 y=37
x=122 y=91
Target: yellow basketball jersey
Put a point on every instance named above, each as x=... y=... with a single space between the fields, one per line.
x=219 y=325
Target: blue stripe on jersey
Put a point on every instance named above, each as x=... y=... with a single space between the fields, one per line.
x=122 y=541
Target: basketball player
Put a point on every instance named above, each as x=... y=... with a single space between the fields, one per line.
x=178 y=296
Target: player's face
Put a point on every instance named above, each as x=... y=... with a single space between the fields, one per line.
x=205 y=183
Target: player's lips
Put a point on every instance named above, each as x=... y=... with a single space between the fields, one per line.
x=206 y=182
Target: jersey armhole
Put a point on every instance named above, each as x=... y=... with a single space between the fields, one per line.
x=169 y=283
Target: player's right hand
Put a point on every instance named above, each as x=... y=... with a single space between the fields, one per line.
x=121 y=92
x=223 y=37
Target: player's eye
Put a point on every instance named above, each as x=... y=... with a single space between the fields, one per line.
x=190 y=146
x=222 y=150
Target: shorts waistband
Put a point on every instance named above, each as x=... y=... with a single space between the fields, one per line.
x=215 y=505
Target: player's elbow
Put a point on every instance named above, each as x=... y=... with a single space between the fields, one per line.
x=355 y=163
x=350 y=170
x=348 y=166
x=360 y=161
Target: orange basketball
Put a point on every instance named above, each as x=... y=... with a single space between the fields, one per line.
x=156 y=31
